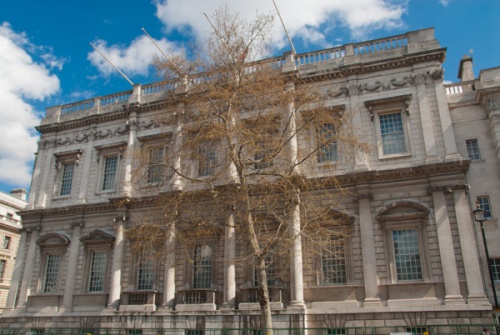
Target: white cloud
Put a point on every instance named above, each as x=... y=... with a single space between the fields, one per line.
x=21 y=79
x=313 y=19
x=131 y=60
x=444 y=2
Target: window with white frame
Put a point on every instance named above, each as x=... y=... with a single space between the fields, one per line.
x=495 y=269
x=98 y=246
x=156 y=165
x=202 y=266
x=68 y=170
x=391 y=119
x=51 y=272
x=109 y=170
x=66 y=163
x=484 y=203
x=406 y=250
x=6 y=242
x=333 y=261
x=326 y=143
x=145 y=272
x=98 y=270
x=52 y=247
x=207 y=159
x=262 y=156
x=473 y=152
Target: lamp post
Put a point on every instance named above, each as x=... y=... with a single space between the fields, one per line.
x=479 y=217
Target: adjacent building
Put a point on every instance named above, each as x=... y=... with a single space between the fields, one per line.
x=414 y=259
x=10 y=229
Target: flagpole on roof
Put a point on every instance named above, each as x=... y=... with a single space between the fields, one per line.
x=283 y=24
x=113 y=65
x=152 y=40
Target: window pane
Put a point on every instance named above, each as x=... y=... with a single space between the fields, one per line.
x=484 y=203
x=97 y=271
x=145 y=275
x=392 y=132
x=327 y=147
x=272 y=268
x=67 y=178
x=495 y=268
x=473 y=149
x=407 y=254
x=202 y=266
x=333 y=261
x=206 y=160
x=6 y=242
x=155 y=165
x=109 y=173
x=51 y=269
x=2 y=267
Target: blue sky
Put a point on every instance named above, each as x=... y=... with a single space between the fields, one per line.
x=46 y=58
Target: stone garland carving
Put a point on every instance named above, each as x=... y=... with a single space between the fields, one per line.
x=147 y=125
x=374 y=86
x=493 y=104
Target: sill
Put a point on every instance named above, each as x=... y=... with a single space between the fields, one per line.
x=394 y=156
x=481 y=160
x=61 y=197
x=106 y=191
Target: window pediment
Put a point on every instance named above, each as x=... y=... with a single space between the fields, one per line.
x=97 y=237
x=52 y=240
x=402 y=210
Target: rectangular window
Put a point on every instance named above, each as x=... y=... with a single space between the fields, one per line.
x=392 y=133
x=484 y=203
x=145 y=272
x=51 y=271
x=194 y=332
x=263 y=157
x=135 y=332
x=3 y=263
x=416 y=330
x=97 y=273
x=206 y=159
x=333 y=261
x=473 y=149
x=495 y=268
x=327 y=146
x=109 y=173
x=272 y=268
x=6 y=242
x=67 y=178
x=37 y=331
x=202 y=266
x=407 y=254
x=156 y=165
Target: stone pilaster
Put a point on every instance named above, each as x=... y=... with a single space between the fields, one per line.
x=129 y=155
x=469 y=249
x=372 y=294
x=169 y=275
x=446 y=250
x=28 y=268
x=116 y=272
x=69 y=286
x=426 y=119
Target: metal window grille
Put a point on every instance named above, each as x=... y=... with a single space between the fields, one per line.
x=495 y=268
x=392 y=133
x=97 y=276
x=206 y=159
x=416 y=330
x=202 y=266
x=6 y=242
x=155 y=165
x=473 y=149
x=67 y=178
x=194 y=332
x=484 y=203
x=145 y=272
x=51 y=270
x=327 y=146
x=3 y=262
x=37 y=331
x=109 y=173
x=333 y=261
x=336 y=331
x=407 y=254
x=135 y=332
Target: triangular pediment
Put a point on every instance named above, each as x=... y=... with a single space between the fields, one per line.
x=53 y=240
x=403 y=210
x=97 y=237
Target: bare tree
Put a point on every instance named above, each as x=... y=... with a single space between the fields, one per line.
x=247 y=132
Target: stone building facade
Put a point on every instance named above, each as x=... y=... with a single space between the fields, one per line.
x=412 y=258
x=10 y=228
